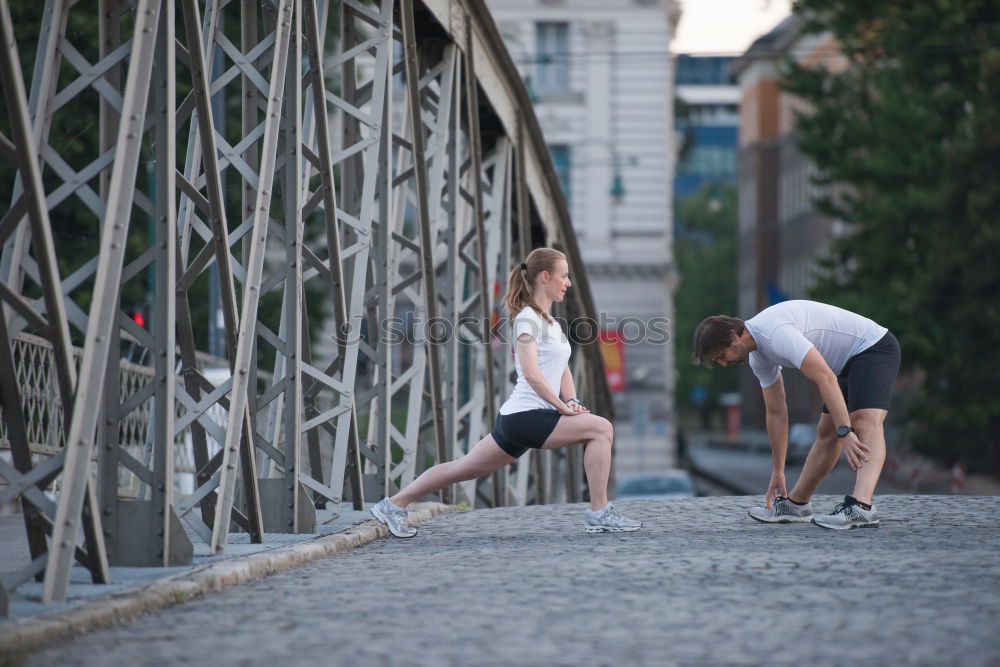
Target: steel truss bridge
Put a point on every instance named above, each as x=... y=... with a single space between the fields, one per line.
x=337 y=165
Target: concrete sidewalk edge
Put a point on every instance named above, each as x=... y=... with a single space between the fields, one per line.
x=29 y=634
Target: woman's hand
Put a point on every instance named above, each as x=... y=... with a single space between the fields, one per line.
x=569 y=410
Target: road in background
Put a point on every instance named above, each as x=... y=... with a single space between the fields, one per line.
x=749 y=471
x=725 y=468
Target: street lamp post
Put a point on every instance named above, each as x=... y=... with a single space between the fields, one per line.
x=617 y=188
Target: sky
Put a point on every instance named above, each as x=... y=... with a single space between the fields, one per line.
x=725 y=27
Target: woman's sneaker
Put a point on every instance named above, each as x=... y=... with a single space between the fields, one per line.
x=608 y=520
x=782 y=510
x=847 y=515
x=394 y=518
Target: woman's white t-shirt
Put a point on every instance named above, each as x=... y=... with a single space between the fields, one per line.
x=553 y=351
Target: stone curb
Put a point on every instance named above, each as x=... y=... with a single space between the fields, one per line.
x=20 y=636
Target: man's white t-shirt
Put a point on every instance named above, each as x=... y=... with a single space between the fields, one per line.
x=553 y=355
x=786 y=331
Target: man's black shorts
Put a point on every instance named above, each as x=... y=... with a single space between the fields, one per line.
x=869 y=376
x=520 y=431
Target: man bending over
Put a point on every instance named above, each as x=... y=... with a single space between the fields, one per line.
x=852 y=361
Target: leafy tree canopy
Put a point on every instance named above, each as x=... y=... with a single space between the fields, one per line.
x=705 y=252
x=908 y=137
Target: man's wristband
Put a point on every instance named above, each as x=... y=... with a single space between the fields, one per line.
x=573 y=400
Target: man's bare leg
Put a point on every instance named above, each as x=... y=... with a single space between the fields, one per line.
x=868 y=424
x=821 y=460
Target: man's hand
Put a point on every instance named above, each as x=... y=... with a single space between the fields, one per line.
x=776 y=487
x=855 y=451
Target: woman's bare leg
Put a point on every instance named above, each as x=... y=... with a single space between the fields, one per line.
x=596 y=434
x=485 y=457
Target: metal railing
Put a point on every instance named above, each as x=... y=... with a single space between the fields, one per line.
x=42 y=408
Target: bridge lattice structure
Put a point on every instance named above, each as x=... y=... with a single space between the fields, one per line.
x=340 y=166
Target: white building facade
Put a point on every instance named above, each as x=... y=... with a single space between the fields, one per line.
x=601 y=75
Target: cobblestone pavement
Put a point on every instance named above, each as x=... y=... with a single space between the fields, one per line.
x=700 y=584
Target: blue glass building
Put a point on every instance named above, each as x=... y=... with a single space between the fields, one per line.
x=707 y=120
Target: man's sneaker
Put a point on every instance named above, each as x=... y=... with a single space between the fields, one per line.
x=394 y=518
x=782 y=510
x=608 y=520
x=847 y=515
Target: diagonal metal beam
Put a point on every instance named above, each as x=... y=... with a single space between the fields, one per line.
x=335 y=273
x=362 y=166
x=423 y=223
x=80 y=439
x=521 y=187
x=255 y=265
x=485 y=288
x=38 y=215
x=212 y=174
x=43 y=84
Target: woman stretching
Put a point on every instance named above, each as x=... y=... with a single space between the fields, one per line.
x=542 y=411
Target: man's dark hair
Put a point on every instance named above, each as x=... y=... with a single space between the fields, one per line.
x=713 y=335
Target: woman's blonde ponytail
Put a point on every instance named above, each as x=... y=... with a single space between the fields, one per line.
x=522 y=279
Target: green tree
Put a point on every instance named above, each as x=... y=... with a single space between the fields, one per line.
x=907 y=137
x=705 y=252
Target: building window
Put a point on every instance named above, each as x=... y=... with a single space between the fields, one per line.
x=552 y=52
x=704 y=70
x=561 y=161
x=709 y=161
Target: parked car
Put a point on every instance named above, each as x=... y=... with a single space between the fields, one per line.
x=666 y=484
x=800 y=438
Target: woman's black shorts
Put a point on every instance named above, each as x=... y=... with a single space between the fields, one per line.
x=518 y=432
x=869 y=376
